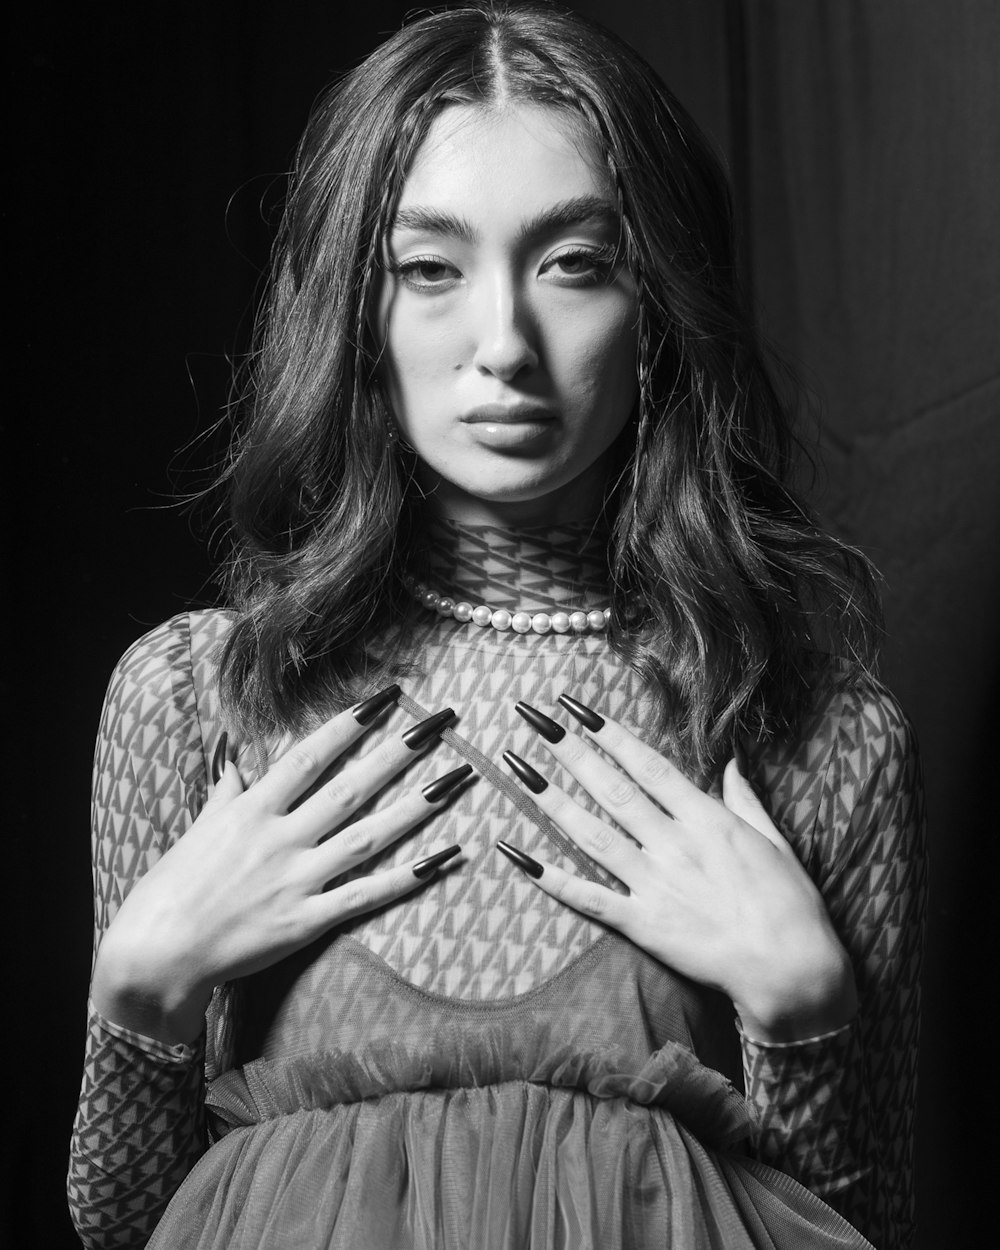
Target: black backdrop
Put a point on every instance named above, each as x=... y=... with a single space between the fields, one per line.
x=147 y=150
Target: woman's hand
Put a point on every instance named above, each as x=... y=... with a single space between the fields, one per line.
x=715 y=891
x=248 y=883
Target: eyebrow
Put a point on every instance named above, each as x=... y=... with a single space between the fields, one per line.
x=578 y=211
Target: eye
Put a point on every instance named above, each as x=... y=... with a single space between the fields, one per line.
x=581 y=266
x=425 y=273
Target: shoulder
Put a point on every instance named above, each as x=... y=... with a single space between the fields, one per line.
x=854 y=720
x=853 y=764
x=172 y=650
x=156 y=680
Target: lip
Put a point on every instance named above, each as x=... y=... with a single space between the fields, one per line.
x=507 y=414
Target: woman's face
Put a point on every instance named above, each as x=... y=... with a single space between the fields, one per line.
x=508 y=322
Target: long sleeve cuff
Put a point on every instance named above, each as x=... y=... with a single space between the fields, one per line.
x=138 y=1131
x=810 y=1104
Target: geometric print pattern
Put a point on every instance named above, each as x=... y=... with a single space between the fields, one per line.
x=849 y=796
x=835 y=1112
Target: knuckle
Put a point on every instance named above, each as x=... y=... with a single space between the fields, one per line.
x=357 y=839
x=573 y=750
x=356 y=896
x=620 y=793
x=341 y=795
x=599 y=837
x=302 y=759
x=654 y=768
x=592 y=902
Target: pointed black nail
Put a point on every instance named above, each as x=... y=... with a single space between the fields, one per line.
x=531 y=866
x=535 y=782
x=423 y=732
x=442 y=787
x=364 y=713
x=219 y=758
x=545 y=725
x=587 y=717
x=740 y=756
x=428 y=867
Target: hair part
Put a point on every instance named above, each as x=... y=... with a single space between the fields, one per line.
x=746 y=604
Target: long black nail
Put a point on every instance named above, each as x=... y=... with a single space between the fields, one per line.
x=535 y=782
x=531 y=866
x=422 y=733
x=364 y=713
x=428 y=867
x=219 y=758
x=587 y=717
x=442 y=787
x=545 y=725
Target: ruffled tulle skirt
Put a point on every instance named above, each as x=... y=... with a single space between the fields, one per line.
x=321 y=1152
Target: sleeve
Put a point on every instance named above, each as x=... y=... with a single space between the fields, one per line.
x=837 y=1112
x=140 y=1123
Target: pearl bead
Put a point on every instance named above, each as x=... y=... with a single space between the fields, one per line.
x=541 y=622
x=579 y=622
x=520 y=622
x=462 y=612
x=482 y=615
x=430 y=598
x=500 y=619
x=445 y=605
x=560 y=622
x=596 y=620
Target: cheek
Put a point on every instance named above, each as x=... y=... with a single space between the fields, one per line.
x=599 y=354
x=419 y=356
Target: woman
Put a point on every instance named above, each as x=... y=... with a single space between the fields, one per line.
x=513 y=454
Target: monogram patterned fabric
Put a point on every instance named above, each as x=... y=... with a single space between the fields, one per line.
x=836 y=1113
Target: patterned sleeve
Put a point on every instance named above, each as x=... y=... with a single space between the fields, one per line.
x=837 y=1112
x=139 y=1125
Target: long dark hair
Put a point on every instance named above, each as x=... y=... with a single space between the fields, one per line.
x=744 y=603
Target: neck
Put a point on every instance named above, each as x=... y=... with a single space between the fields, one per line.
x=531 y=568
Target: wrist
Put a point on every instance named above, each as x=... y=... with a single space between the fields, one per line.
x=158 y=1000
x=818 y=997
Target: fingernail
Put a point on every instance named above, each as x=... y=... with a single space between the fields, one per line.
x=364 y=713
x=441 y=787
x=545 y=725
x=535 y=782
x=531 y=866
x=219 y=758
x=740 y=756
x=587 y=717
x=422 y=733
x=428 y=867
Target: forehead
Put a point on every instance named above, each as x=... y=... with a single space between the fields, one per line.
x=512 y=157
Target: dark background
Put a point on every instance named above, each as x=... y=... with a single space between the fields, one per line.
x=148 y=147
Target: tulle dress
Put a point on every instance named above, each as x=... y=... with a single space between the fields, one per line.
x=477 y=1066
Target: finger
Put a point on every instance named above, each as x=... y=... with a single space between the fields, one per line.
x=364 y=894
x=228 y=787
x=602 y=843
x=305 y=761
x=594 y=901
x=617 y=794
x=654 y=773
x=741 y=799
x=339 y=798
x=362 y=839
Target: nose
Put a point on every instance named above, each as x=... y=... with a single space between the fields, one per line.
x=506 y=338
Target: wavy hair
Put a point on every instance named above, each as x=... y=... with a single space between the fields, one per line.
x=745 y=604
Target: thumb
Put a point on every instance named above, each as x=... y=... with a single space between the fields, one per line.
x=741 y=799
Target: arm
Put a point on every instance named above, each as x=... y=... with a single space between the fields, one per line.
x=139 y=1126
x=837 y=1112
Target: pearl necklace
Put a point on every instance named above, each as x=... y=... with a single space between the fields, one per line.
x=578 y=622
